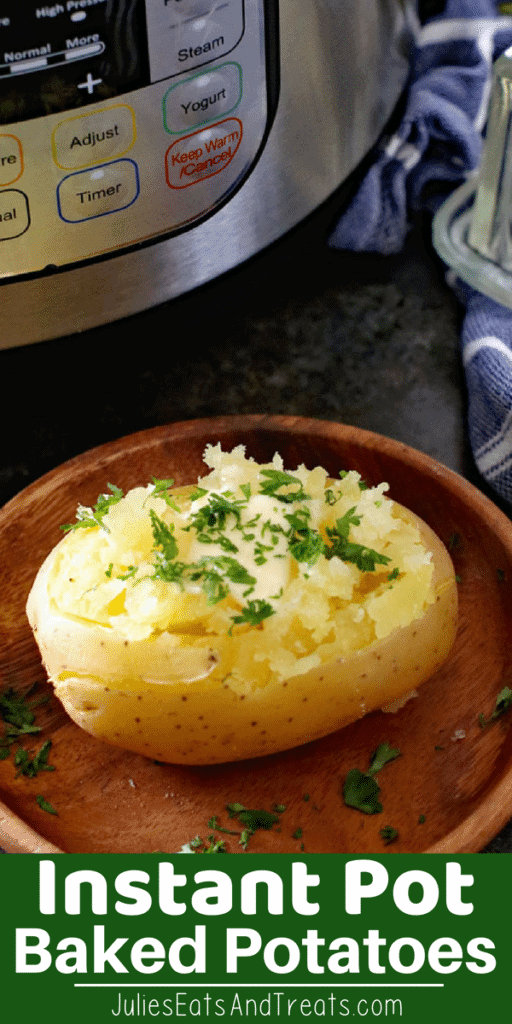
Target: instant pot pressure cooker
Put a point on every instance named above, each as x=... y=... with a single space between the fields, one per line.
x=147 y=146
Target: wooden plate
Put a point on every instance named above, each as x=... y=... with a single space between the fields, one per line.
x=443 y=794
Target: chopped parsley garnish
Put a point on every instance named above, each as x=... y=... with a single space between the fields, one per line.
x=360 y=789
x=88 y=518
x=210 y=520
x=234 y=809
x=212 y=573
x=275 y=479
x=18 y=717
x=31 y=766
x=503 y=703
x=254 y=613
x=257 y=819
x=164 y=537
x=394 y=575
x=365 y=558
x=129 y=574
x=161 y=489
x=388 y=834
x=45 y=805
x=381 y=756
x=19 y=720
x=422 y=819
x=305 y=545
x=252 y=820
x=297 y=834
x=219 y=521
x=210 y=845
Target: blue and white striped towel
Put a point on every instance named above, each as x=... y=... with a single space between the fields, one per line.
x=437 y=145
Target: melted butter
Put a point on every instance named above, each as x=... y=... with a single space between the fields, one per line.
x=271 y=575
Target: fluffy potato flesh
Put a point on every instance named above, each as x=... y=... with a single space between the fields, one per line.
x=252 y=613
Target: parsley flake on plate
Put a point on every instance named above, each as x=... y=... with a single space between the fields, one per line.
x=45 y=805
x=388 y=834
x=360 y=789
x=503 y=703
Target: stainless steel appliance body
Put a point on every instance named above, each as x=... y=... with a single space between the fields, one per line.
x=147 y=146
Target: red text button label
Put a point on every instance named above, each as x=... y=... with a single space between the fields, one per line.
x=194 y=157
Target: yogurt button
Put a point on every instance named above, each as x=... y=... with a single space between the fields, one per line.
x=203 y=98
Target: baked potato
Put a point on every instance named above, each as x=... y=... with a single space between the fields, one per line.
x=244 y=615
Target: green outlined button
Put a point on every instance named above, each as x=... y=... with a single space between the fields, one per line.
x=202 y=98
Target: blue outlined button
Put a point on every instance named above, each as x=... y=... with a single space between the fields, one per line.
x=98 y=191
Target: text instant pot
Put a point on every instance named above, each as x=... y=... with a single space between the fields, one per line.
x=250 y=911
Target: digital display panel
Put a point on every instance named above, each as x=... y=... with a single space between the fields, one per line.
x=61 y=56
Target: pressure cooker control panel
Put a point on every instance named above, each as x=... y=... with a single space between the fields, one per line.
x=122 y=121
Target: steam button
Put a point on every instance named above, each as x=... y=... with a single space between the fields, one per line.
x=184 y=36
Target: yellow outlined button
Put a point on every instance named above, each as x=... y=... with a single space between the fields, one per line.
x=94 y=137
x=11 y=159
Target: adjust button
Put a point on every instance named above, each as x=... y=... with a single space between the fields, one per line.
x=93 y=137
x=14 y=213
x=202 y=98
x=99 y=191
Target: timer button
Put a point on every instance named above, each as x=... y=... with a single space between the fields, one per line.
x=99 y=191
x=202 y=98
x=11 y=159
x=94 y=137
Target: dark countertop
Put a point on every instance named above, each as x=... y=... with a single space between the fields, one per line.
x=367 y=340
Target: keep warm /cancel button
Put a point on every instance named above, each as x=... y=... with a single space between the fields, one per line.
x=194 y=157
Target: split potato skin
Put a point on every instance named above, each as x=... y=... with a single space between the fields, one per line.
x=164 y=698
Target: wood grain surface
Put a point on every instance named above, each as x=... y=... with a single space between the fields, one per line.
x=442 y=794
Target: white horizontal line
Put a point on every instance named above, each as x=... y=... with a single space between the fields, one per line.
x=84 y=51
x=259 y=984
x=28 y=65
